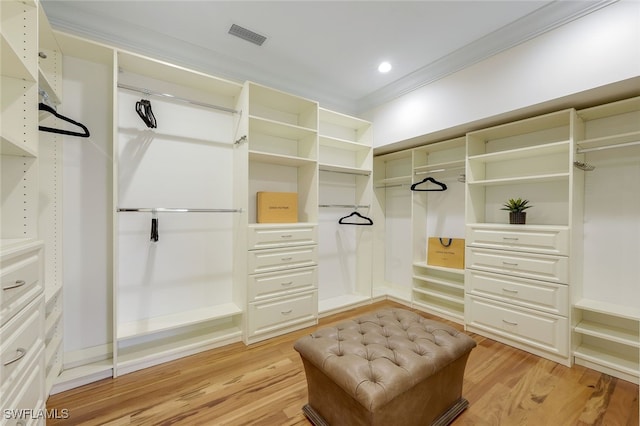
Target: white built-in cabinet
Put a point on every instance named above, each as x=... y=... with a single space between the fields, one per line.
x=606 y=307
x=28 y=266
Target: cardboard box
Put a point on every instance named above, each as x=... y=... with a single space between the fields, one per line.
x=277 y=207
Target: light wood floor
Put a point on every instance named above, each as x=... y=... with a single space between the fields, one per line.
x=264 y=384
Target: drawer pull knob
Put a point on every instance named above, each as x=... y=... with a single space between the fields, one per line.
x=20 y=353
x=286 y=236
x=287 y=284
x=508 y=290
x=286 y=259
x=286 y=312
x=510 y=238
x=509 y=264
x=18 y=283
x=509 y=322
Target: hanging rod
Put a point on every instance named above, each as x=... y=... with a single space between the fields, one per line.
x=599 y=148
x=362 y=173
x=346 y=206
x=439 y=170
x=176 y=98
x=174 y=210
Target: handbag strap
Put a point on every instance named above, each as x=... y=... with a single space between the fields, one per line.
x=448 y=244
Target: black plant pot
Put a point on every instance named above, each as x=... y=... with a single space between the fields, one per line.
x=517 y=218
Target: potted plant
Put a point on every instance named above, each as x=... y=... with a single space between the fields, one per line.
x=516 y=209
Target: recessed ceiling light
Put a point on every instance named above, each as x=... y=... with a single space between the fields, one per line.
x=384 y=67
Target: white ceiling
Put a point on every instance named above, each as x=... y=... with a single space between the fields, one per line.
x=324 y=50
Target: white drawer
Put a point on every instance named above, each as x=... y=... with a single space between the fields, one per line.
x=278 y=259
x=545 y=296
x=265 y=317
x=272 y=284
x=21 y=282
x=26 y=400
x=546 y=240
x=543 y=331
x=281 y=236
x=527 y=265
x=20 y=339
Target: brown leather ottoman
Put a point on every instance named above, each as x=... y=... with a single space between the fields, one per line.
x=392 y=367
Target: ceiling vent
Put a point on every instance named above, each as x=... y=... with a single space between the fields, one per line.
x=246 y=34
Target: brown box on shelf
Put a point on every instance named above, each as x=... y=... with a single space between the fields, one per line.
x=277 y=207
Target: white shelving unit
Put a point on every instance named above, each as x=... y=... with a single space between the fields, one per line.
x=435 y=289
x=518 y=276
x=346 y=166
x=606 y=315
x=276 y=151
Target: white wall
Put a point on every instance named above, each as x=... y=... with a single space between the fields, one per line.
x=599 y=49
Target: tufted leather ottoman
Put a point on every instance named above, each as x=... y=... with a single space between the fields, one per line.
x=391 y=367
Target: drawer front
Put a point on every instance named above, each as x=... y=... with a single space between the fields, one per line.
x=27 y=396
x=272 y=284
x=272 y=237
x=548 y=297
x=543 y=331
x=278 y=259
x=551 y=241
x=20 y=339
x=21 y=283
x=265 y=317
x=526 y=265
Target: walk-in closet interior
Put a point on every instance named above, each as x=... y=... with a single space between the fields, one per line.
x=130 y=234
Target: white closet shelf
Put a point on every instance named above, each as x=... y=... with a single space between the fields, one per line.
x=74 y=377
x=279 y=129
x=628 y=312
x=325 y=167
x=439 y=268
x=345 y=301
x=12 y=64
x=141 y=356
x=440 y=281
x=453 y=313
x=608 y=332
x=51 y=322
x=609 y=360
x=52 y=348
x=343 y=144
x=279 y=159
x=606 y=141
x=521 y=153
x=343 y=120
x=398 y=180
x=170 y=322
x=549 y=177
x=17 y=148
x=459 y=300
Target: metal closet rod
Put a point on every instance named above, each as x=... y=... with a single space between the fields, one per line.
x=600 y=148
x=176 y=98
x=346 y=206
x=178 y=210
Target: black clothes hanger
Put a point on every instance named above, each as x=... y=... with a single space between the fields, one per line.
x=47 y=108
x=367 y=221
x=154 y=230
x=442 y=186
x=143 y=108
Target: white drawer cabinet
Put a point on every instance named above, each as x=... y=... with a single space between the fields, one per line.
x=527 y=265
x=273 y=284
x=26 y=401
x=531 y=239
x=279 y=314
x=546 y=332
x=545 y=296
x=279 y=236
x=282 y=258
x=21 y=280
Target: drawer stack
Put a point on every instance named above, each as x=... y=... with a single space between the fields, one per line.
x=516 y=286
x=22 y=359
x=282 y=279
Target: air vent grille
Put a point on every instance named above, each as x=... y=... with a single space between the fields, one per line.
x=246 y=34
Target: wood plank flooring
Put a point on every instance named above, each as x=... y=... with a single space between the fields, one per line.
x=264 y=384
